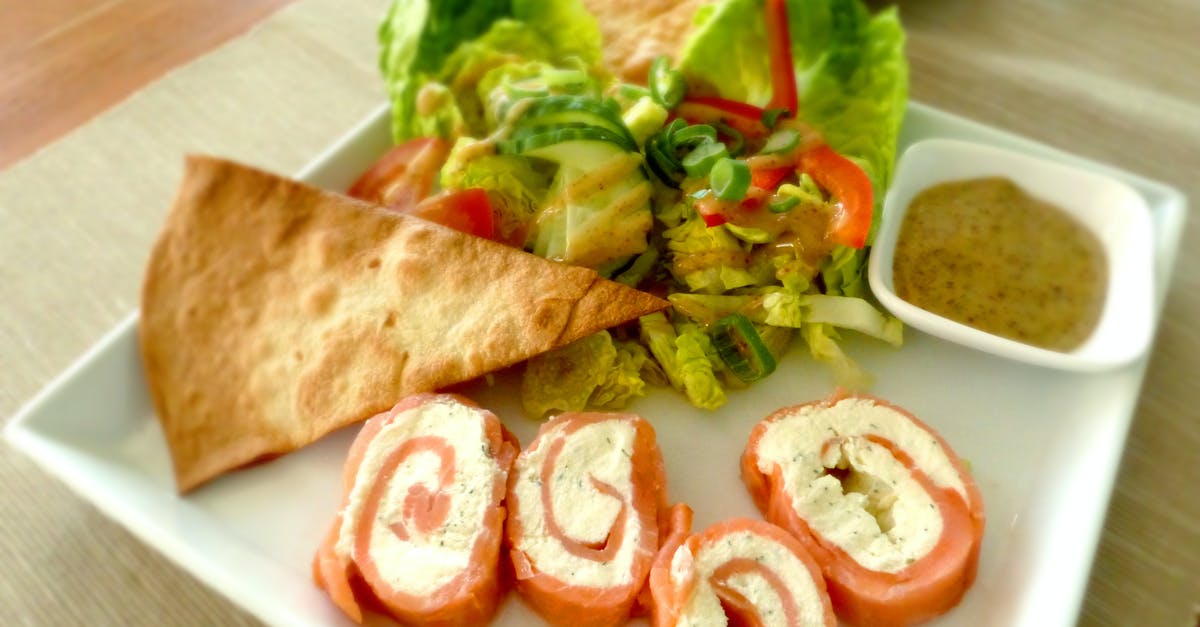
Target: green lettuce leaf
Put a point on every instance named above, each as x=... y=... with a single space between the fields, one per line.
x=595 y=371
x=623 y=382
x=698 y=364
x=708 y=259
x=515 y=187
x=851 y=72
x=823 y=346
x=687 y=357
x=658 y=335
x=565 y=378
x=432 y=50
x=787 y=309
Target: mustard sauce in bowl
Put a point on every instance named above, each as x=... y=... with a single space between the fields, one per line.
x=988 y=254
x=1034 y=257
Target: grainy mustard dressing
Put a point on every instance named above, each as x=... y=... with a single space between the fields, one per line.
x=985 y=253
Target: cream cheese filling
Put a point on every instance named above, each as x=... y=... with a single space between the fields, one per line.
x=601 y=450
x=858 y=495
x=703 y=607
x=425 y=561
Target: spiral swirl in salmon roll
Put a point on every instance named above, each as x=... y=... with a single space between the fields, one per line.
x=878 y=498
x=584 y=500
x=421 y=526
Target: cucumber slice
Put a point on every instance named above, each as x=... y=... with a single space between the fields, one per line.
x=576 y=110
x=566 y=144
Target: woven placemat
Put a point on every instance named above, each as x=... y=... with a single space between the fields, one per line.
x=81 y=214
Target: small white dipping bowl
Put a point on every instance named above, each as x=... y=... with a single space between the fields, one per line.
x=1113 y=211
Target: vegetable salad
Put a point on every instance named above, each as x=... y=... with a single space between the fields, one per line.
x=739 y=180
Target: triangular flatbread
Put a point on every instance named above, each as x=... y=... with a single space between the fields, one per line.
x=274 y=313
x=637 y=31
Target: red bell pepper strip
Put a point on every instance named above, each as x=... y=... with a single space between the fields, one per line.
x=741 y=117
x=779 y=44
x=769 y=178
x=849 y=186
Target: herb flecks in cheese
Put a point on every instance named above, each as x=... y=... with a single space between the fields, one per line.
x=704 y=607
x=590 y=458
x=852 y=490
x=412 y=559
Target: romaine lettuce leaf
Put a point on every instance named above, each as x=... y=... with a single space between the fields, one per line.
x=823 y=346
x=623 y=381
x=708 y=259
x=698 y=364
x=787 y=309
x=430 y=48
x=595 y=371
x=851 y=72
x=687 y=357
x=515 y=187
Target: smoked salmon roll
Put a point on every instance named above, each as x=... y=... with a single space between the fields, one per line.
x=584 y=501
x=422 y=520
x=878 y=498
x=736 y=572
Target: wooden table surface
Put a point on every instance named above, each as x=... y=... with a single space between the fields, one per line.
x=1115 y=81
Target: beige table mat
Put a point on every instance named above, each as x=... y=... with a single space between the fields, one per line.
x=1116 y=81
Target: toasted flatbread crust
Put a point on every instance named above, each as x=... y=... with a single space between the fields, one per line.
x=274 y=313
x=637 y=31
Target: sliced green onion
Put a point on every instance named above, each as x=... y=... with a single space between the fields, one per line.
x=730 y=179
x=748 y=234
x=560 y=78
x=703 y=193
x=770 y=117
x=529 y=88
x=783 y=205
x=694 y=135
x=632 y=92
x=736 y=141
x=699 y=161
x=667 y=86
x=742 y=348
x=783 y=140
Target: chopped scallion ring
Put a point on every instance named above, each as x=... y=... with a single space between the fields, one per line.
x=700 y=160
x=693 y=135
x=730 y=179
x=667 y=86
x=783 y=205
x=742 y=348
x=632 y=92
x=736 y=140
x=770 y=117
x=783 y=140
x=562 y=78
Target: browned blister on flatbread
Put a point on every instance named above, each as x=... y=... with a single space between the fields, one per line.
x=637 y=31
x=274 y=313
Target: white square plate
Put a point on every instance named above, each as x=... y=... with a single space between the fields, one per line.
x=1044 y=445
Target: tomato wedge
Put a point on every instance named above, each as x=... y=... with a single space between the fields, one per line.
x=404 y=175
x=467 y=210
x=849 y=186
